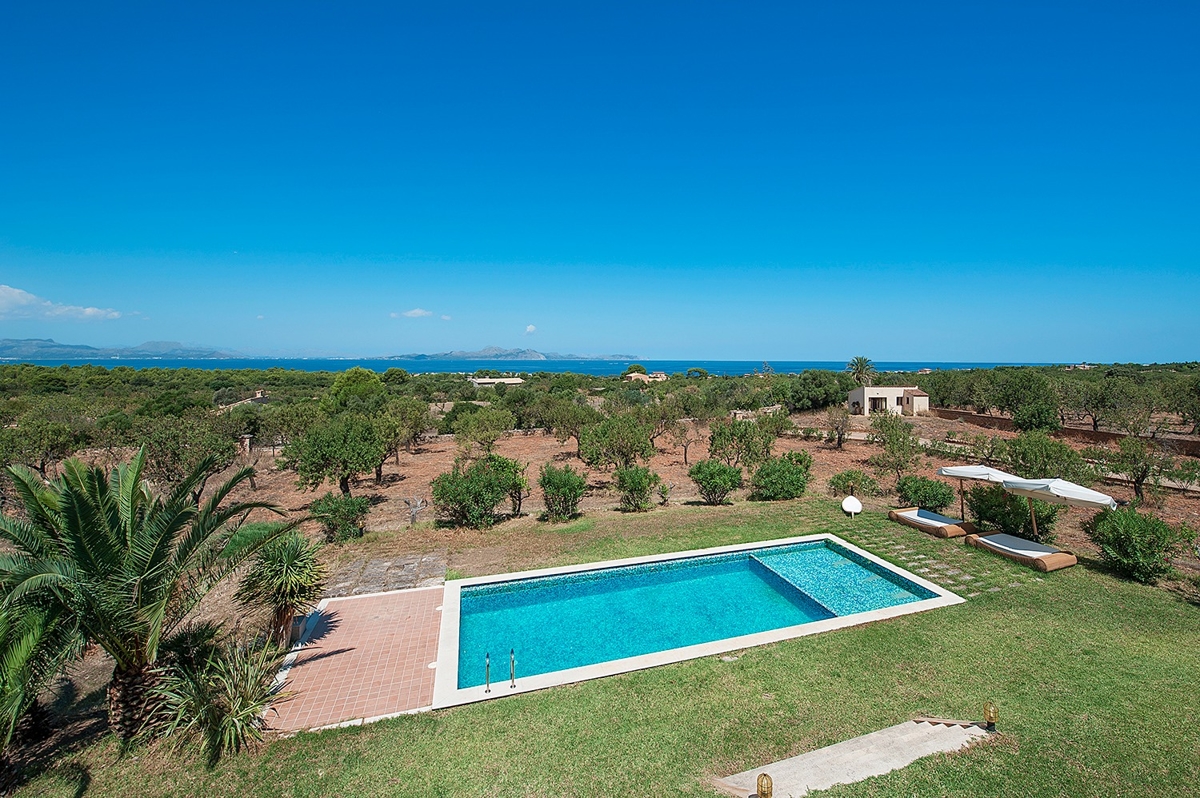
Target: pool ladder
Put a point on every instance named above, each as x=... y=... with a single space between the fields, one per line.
x=487 y=670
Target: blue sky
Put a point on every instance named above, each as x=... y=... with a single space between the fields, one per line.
x=956 y=181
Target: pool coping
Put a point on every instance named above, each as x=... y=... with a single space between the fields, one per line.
x=446 y=692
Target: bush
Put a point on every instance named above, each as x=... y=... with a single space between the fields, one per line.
x=928 y=494
x=341 y=516
x=562 y=488
x=512 y=474
x=853 y=483
x=468 y=496
x=716 y=480
x=782 y=478
x=993 y=508
x=1137 y=546
x=222 y=700
x=635 y=484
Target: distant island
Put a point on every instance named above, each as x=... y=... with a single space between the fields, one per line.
x=47 y=349
x=497 y=353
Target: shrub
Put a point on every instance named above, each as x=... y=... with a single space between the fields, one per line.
x=716 y=480
x=562 y=488
x=512 y=474
x=1138 y=546
x=341 y=516
x=928 y=494
x=782 y=478
x=853 y=483
x=222 y=699
x=993 y=508
x=635 y=484
x=468 y=496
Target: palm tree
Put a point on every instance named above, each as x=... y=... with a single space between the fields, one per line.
x=122 y=565
x=35 y=644
x=862 y=370
x=286 y=577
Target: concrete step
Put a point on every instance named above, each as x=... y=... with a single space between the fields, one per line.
x=854 y=760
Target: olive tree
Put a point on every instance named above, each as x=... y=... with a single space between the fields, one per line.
x=338 y=450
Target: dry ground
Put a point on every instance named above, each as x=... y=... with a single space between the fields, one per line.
x=520 y=543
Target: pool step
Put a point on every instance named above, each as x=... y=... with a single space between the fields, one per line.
x=860 y=758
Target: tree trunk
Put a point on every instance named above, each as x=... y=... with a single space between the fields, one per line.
x=281 y=621
x=344 y=484
x=128 y=700
x=379 y=474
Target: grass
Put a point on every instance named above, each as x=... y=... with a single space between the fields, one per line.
x=1095 y=679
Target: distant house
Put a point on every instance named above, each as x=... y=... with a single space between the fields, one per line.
x=489 y=382
x=654 y=376
x=897 y=400
x=259 y=398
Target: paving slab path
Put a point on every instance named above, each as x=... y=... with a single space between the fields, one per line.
x=855 y=760
x=361 y=576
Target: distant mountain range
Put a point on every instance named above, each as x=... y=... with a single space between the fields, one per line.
x=497 y=353
x=46 y=349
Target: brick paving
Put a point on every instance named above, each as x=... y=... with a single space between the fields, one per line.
x=367 y=656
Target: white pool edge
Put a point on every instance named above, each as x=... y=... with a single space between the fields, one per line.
x=446 y=692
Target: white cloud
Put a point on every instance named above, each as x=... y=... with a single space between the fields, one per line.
x=530 y=330
x=445 y=318
x=18 y=304
x=417 y=313
x=260 y=318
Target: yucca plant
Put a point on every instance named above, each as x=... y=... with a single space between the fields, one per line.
x=223 y=700
x=122 y=564
x=286 y=576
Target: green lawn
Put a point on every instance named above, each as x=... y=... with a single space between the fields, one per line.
x=1095 y=679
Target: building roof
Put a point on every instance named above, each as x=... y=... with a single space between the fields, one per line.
x=914 y=392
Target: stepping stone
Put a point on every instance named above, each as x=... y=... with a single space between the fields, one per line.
x=855 y=760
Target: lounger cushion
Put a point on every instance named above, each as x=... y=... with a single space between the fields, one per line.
x=928 y=521
x=1035 y=555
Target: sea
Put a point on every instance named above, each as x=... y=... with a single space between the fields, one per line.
x=598 y=368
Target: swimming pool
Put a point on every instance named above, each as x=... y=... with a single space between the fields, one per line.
x=582 y=622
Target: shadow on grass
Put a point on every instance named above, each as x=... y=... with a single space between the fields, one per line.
x=29 y=759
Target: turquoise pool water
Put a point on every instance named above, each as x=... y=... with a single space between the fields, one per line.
x=566 y=621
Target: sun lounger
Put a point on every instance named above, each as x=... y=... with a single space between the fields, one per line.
x=1035 y=555
x=927 y=521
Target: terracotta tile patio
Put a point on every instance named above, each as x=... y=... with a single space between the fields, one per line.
x=367 y=656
